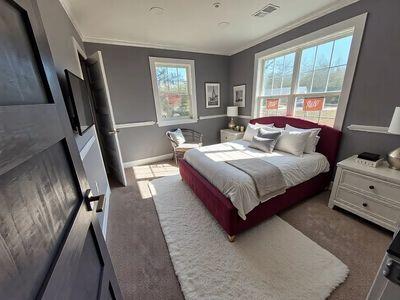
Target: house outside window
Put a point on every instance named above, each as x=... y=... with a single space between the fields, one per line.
x=310 y=77
x=174 y=90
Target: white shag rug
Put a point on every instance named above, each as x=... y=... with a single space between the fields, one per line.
x=270 y=261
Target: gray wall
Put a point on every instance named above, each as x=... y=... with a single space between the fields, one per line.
x=374 y=93
x=128 y=74
x=59 y=31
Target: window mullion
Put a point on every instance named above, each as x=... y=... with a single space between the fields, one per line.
x=295 y=79
x=330 y=66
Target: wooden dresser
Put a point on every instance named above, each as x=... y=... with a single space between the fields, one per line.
x=228 y=135
x=371 y=193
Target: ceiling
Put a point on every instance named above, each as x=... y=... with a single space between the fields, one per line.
x=191 y=25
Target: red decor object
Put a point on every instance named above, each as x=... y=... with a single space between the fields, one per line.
x=313 y=104
x=222 y=208
x=272 y=104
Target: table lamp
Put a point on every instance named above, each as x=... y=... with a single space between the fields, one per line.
x=232 y=111
x=394 y=128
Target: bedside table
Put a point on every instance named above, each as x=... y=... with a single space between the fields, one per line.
x=371 y=193
x=228 y=135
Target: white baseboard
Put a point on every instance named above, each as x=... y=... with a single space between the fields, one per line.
x=148 y=160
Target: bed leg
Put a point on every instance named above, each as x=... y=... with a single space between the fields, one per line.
x=231 y=238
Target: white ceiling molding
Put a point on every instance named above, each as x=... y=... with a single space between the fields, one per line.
x=65 y=4
x=313 y=16
x=300 y=21
x=149 y=45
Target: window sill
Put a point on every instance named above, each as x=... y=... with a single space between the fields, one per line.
x=175 y=122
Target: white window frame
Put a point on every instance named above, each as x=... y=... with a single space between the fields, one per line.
x=354 y=25
x=192 y=89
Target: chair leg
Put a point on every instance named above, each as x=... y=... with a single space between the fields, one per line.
x=231 y=238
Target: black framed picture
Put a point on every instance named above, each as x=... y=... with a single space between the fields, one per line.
x=213 y=95
x=239 y=95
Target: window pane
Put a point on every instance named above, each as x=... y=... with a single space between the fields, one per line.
x=275 y=107
x=289 y=63
x=182 y=74
x=326 y=116
x=268 y=76
x=183 y=87
x=323 y=57
x=319 y=80
x=341 y=51
x=307 y=59
x=336 y=77
x=278 y=73
x=305 y=83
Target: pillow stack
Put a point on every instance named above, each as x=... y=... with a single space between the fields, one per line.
x=265 y=140
x=252 y=130
x=290 y=139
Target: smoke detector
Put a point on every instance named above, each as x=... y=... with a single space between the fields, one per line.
x=216 y=4
x=266 y=10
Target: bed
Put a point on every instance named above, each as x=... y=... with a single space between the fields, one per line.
x=305 y=177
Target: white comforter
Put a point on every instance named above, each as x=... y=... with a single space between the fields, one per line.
x=239 y=186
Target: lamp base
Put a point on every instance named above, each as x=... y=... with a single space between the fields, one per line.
x=231 y=124
x=394 y=159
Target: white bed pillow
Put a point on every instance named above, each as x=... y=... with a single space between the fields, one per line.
x=312 y=139
x=293 y=142
x=252 y=130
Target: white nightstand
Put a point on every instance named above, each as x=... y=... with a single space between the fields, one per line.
x=228 y=135
x=371 y=193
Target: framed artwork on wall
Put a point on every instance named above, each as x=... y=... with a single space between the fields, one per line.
x=213 y=95
x=239 y=95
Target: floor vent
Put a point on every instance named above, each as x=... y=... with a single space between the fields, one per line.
x=266 y=10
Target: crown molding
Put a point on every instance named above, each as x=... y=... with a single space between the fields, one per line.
x=118 y=42
x=68 y=10
x=301 y=21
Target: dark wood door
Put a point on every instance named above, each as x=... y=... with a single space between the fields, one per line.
x=51 y=245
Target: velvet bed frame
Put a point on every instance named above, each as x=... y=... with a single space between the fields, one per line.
x=223 y=210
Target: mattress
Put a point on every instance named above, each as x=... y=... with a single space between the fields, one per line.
x=238 y=186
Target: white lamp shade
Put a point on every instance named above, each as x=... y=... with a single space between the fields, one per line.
x=395 y=124
x=232 y=111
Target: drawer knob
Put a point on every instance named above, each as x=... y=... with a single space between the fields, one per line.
x=365 y=204
x=371 y=187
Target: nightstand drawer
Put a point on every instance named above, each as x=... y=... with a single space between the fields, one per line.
x=369 y=185
x=230 y=135
x=360 y=204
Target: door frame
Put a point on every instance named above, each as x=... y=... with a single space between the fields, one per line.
x=98 y=57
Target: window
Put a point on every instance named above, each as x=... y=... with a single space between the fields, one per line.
x=309 y=77
x=174 y=90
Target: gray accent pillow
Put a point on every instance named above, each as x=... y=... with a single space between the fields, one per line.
x=265 y=141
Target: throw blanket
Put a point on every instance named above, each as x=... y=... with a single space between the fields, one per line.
x=268 y=178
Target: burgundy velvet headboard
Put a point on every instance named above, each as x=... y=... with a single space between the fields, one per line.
x=328 y=144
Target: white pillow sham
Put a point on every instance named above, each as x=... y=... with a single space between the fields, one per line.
x=252 y=130
x=312 y=140
x=293 y=142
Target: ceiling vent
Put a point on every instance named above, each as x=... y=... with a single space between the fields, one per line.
x=266 y=10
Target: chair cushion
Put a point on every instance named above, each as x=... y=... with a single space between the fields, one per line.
x=187 y=146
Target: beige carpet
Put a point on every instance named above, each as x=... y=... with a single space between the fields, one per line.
x=271 y=261
x=142 y=261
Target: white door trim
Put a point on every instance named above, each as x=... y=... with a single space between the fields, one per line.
x=97 y=56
